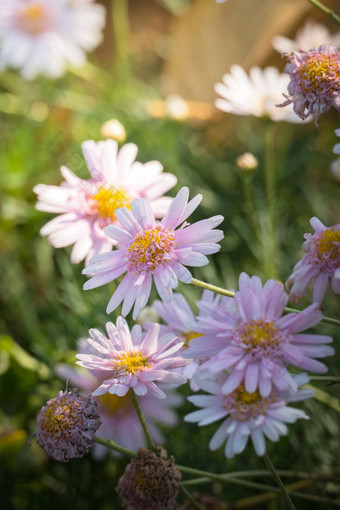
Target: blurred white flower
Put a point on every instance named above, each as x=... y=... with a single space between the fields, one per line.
x=257 y=94
x=43 y=36
x=311 y=35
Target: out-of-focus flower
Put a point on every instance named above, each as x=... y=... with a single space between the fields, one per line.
x=247 y=161
x=314 y=85
x=311 y=35
x=175 y=107
x=119 y=420
x=335 y=165
x=67 y=425
x=151 y=481
x=88 y=206
x=257 y=94
x=43 y=36
x=319 y=264
x=128 y=361
x=336 y=148
x=249 y=415
x=113 y=129
x=248 y=336
x=153 y=251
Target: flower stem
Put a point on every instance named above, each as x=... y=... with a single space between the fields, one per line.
x=229 y=293
x=191 y=498
x=279 y=482
x=115 y=447
x=326 y=10
x=121 y=31
x=325 y=378
x=149 y=440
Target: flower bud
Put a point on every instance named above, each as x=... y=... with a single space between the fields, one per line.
x=247 y=162
x=113 y=129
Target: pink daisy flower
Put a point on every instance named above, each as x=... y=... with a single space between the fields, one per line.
x=320 y=263
x=132 y=362
x=86 y=207
x=119 y=420
x=249 y=415
x=249 y=337
x=153 y=251
x=314 y=85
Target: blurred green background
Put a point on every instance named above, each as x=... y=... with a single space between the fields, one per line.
x=44 y=309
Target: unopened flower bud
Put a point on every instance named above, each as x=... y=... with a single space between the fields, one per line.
x=113 y=129
x=67 y=425
x=247 y=162
x=150 y=482
x=335 y=169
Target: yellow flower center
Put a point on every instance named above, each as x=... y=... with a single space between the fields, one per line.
x=319 y=70
x=112 y=403
x=258 y=334
x=61 y=416
x=327 y=244
x=108 y=200
x=190 y=335
x=150 y=248
x=132 y=362
x=33 y=18
x=245 y=398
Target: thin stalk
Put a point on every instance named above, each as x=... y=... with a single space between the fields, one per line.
x=326 y=10
x=229 y=293
x=191 y=498
x=325 y=378
x=279 y=482
x=149 y=440
x=121 y=30
x=115 y=447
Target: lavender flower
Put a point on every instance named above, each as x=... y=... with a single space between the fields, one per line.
x=67 y=425
x=314 y=81
x=132 y=362
x=319 y=264
x=148 y=251
x=249 y=337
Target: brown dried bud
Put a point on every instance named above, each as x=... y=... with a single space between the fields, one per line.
x=150 y=482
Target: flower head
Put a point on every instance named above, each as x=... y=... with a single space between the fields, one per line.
x=67 y=425
x=128 y=361
x=88 y=206
x=311 y=35
x=42 y=37
x=314 y=85
x=249 y=415
x=150 y=481
x=320 y=263
x=249 y=337
x=257 y=94
x=153 y=251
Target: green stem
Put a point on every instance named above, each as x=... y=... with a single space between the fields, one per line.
x=149 y=440
x=191 y=498
x=325 y=378
x=229 y=293
x=326 y=10
x=115 y=447
x=121 y=30
x=279 y=482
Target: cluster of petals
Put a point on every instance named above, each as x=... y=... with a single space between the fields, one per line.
x=249 y=337
x=149 y=251
x=249 y=415
x=257 y=94
x=44 y=36
x=130 y=361
x=320 y=265
x=117 y=414
x=311 y=35
x=86 y=207
x=314 y=85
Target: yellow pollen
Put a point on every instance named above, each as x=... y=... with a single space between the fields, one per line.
x=326 y=243
x=33 y=18
x=33 y=12
x=59 y=423
x=190 y=335
x=108 y=200
x=259 y=333
x=317 y=71
x=112 y=403
x=132 y=362
x=243 y=397
x=151 y=246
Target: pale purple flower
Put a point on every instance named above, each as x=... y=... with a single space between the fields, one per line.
x=119 y=420
x=67 y=425
x=311 y=35
x=248 y=336
x=86 y=207
x=153 y=251
x=44 y=36
x=314 y=85
x=129 y=361
x=249 y=415
x=255 y=94
x=319 y=264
